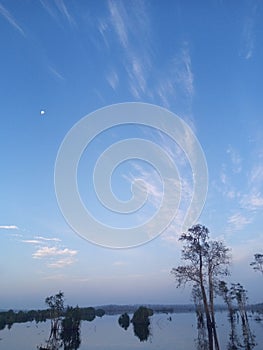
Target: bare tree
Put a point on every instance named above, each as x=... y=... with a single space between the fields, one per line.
x=207 y=260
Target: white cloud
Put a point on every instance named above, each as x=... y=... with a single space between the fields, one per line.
x=8 y=227
x=7 y=15
x=53 y=252
x=56 y=257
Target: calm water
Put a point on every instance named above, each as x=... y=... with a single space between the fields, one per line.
x=104 y=333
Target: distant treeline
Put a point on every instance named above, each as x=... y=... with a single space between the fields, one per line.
x=8 y=318
x=157 y=308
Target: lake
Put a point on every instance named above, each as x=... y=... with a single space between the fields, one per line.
x=166 y=332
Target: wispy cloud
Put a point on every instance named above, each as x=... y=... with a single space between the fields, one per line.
x=113 y=79
x=56 y=9
x=238 y=221
x=248 y=38
x=132 y=29
x=46 y=5
x=183 y=70
x=8 y=227
x=158 y=196
x=10 y=18
x=235 y=159
x=31 y=241
x=53 y=239
x=64 y=11
x=248 y=34
x=61 y=263
x=252 y=201
x=119 y=21
x=128 y=25
x=256 y=176
x=56 y=73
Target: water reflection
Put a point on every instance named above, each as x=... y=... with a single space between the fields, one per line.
x=67 y=336
x=124 y=321
x=140 y=322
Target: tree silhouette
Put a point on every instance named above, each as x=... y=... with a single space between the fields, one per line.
x=56 y=308
x=141 y=323
x=257 y=263
x=207 y=260
x=124 y=321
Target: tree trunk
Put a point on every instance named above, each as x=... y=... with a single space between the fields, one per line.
x=211 y=301
x=208 y=319
x=207 y=313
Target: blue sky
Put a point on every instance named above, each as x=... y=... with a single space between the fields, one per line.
x=202 y=61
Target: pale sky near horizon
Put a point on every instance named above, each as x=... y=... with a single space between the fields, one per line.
x=62 y=60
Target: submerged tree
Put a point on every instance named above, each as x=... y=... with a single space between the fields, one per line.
x=239 y=294
x=56 y=308
x=141 y=322
x=202 y=342
x=70 y=329
x=225 y=292
x=257 y=263
x=124 y=321
x=206 y=261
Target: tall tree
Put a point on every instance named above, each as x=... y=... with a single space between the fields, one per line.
x=206 y=261
x=258 y=262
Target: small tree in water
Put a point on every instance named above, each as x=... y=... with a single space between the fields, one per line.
x=56 y=308
x=206 y=261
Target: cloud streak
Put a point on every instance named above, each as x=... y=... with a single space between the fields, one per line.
x=7 y=15
x=8 y=227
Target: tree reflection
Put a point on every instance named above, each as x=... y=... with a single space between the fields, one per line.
x=236 y=299
x=141 y=323
x=70 y=333
x=141 y=331
x=124 y=321
x=67 y=336
x=201 y=341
